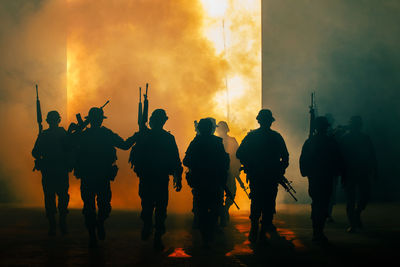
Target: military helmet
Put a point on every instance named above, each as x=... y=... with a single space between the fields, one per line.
x=159 y=114
x=53 y=116
x=321 y=123
x=223 y=126
x=265 y=115
x=205 y=126
x=95 y=113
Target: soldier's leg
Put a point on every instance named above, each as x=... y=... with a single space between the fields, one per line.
x=195 y=211
x=228 y=202
x=256 y=198
x=147 y=201
x=88 y=195
x=350 y=192
x=364 y=191
x=49 y=203
x=161 y=203
x=203 y=200
x=104 y=207
x=63 y=200
x=332 y=201
x=321 y=200
x=268 y=208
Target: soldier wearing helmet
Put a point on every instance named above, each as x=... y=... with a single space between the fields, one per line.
x=95 y=167
x=360 y=167
x=156 y=158
x=231 y=146
x=208 y=164
x=321 y=162
x=264 y=156
x=52 y=150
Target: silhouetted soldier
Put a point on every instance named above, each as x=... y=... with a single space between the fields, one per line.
x=360 y=167
x=208 y=164
x=96 y=157
x=321 y=162
x=265 y=158
x=337 y=133
x=52 y=153
x=156 y=158
x=231 y=146
x=195 y=207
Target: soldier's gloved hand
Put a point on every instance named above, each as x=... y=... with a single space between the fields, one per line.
x=177 y=183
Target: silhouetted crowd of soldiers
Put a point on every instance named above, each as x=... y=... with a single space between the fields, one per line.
x=214 y=165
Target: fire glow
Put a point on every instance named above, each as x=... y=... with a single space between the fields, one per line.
x=206 y=52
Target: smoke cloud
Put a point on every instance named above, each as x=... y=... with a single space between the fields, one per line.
x=348 y=53
x=82 y=53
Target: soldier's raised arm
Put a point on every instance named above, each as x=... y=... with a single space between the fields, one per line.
x=120 y=143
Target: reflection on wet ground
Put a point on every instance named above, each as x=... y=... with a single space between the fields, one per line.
x=24 y=241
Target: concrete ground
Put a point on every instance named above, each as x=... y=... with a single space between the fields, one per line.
x=24 y=241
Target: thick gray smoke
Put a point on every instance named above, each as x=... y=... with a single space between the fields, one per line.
x=346 y=51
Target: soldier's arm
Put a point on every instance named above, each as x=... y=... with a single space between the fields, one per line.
x=304 y=159
x=120 y=143
x=175 y=153
x=241 y=151
x=187 y=160
x=36 y=151
x=284 y=154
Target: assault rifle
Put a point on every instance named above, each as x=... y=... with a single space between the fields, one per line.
x=143 y=112
x=38 y=111
x=230 y=196
x=143 y=115
x=287 y=185
x=82 y=124
x=39 y=122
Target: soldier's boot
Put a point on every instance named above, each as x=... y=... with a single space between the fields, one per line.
x=263 y=236
x=352 y=220
x=158 y=244
x=52 y=224
x=63 y=224
x=318 y=232
x=357 y=219
x=253 y=231
x=101 y=231
x=147 y=230
x=92 y=237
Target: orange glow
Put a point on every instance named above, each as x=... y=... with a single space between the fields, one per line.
x=179 y=253
x=112 y=49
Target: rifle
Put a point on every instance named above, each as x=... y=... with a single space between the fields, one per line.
x=229 y=195
x=241 y=182
x=143 y=113
x=312 y=115
x=38 y=111
x=287 y=185
x=82 y=124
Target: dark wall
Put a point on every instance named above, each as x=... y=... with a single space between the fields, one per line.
x=346 y=51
